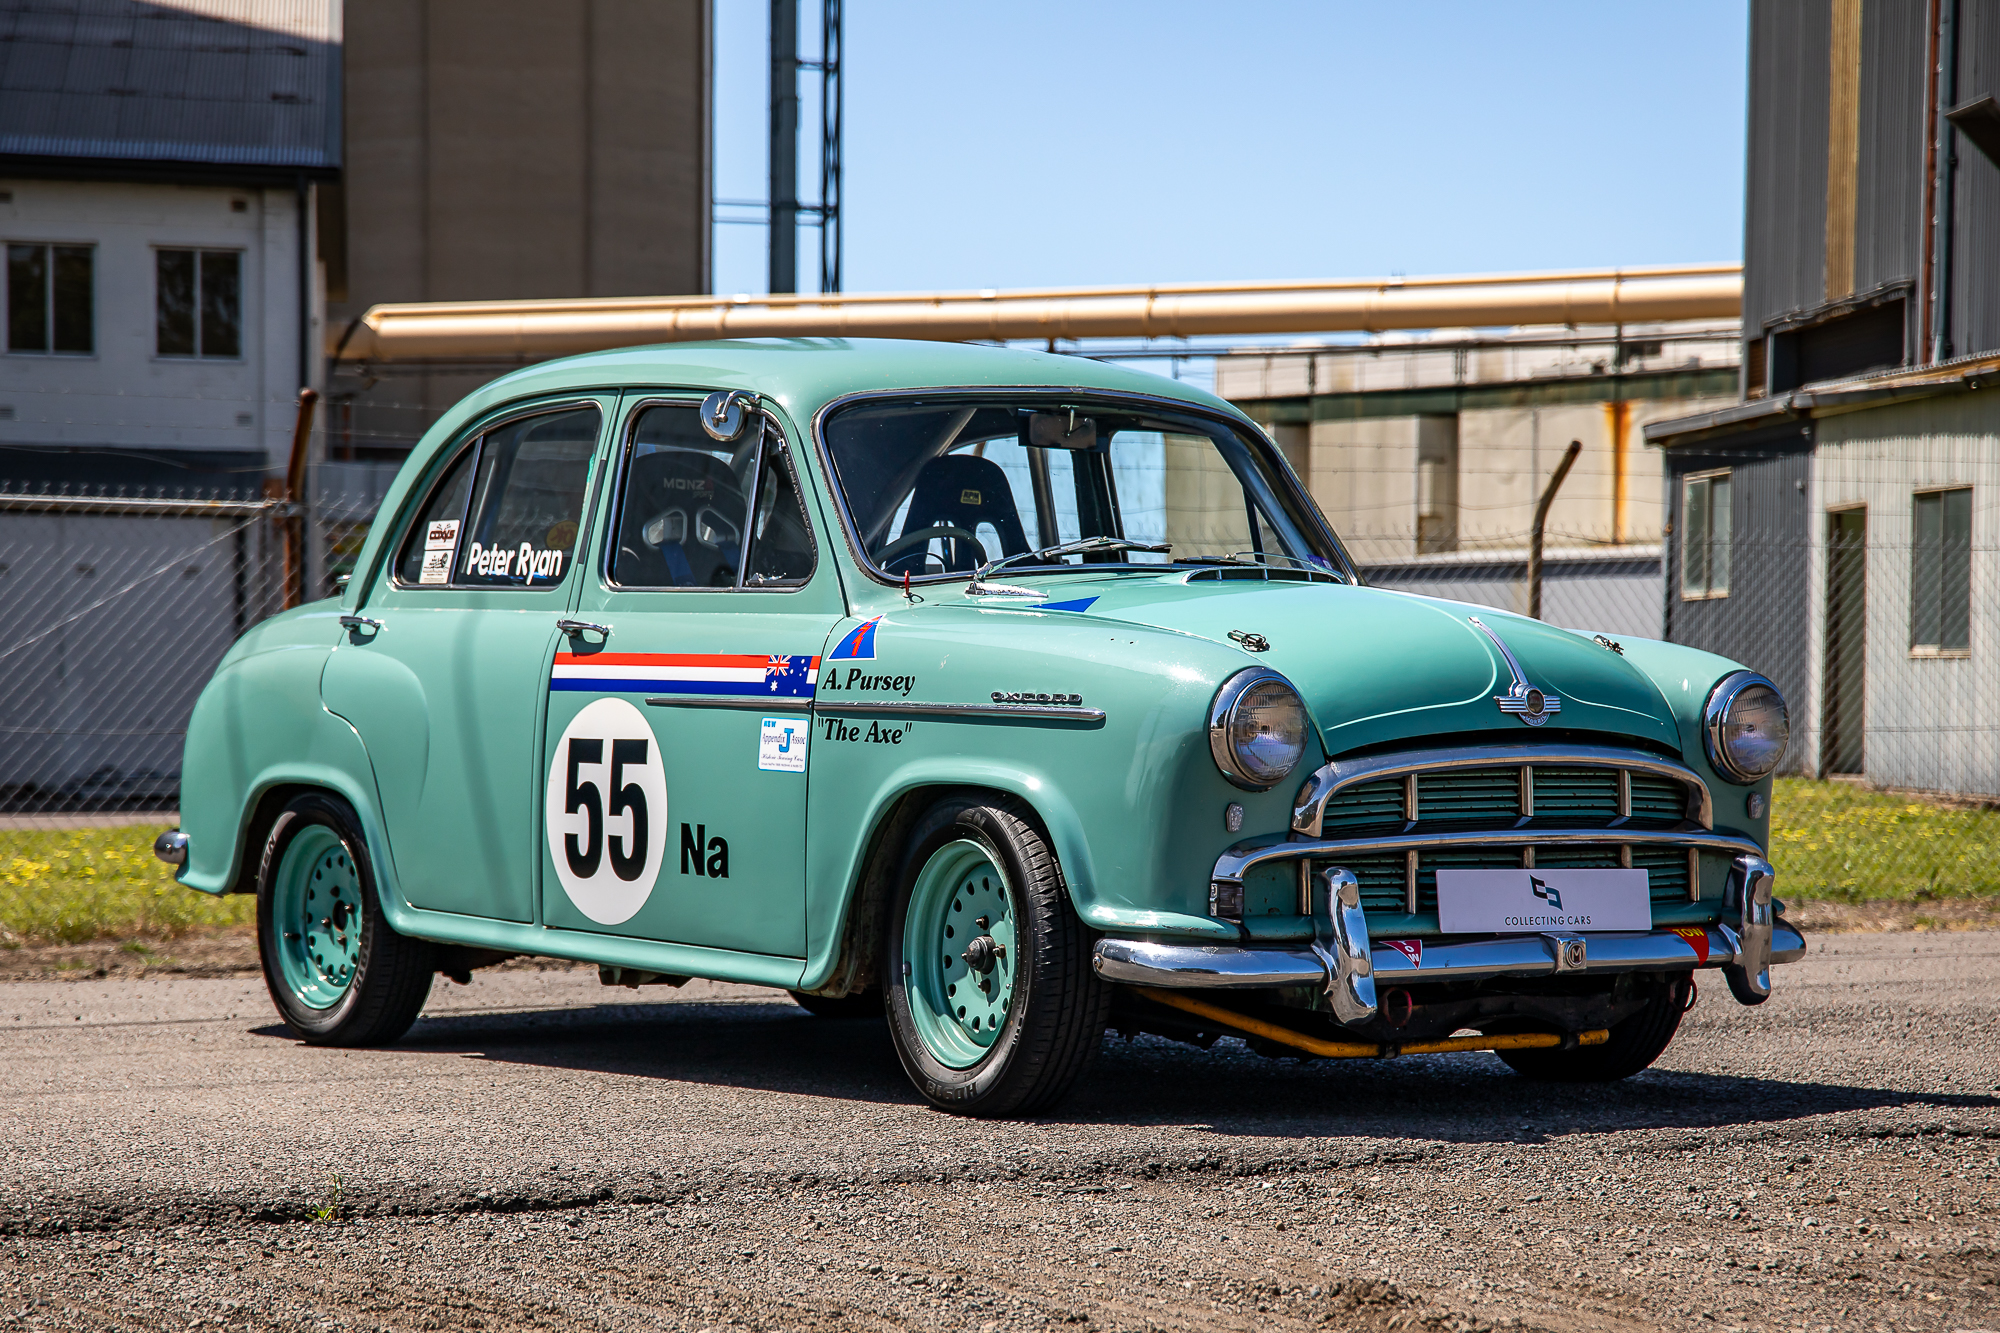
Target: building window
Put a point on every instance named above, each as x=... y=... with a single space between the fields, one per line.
x=199 y=296
x=1941 y=572
x=49 y=299
x=1706 y=527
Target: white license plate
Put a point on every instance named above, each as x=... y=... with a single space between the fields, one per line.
x=1502 y=902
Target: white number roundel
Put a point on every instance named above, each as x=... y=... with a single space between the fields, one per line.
x=607 y=810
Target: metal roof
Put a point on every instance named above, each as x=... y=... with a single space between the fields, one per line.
x=221 y=82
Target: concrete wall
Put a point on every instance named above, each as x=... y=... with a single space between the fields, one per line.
x=124 y=394
x=1932 y=722
x=1363 y=473
x=507 y=149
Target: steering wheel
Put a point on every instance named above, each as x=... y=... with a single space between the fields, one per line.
x=910 y=541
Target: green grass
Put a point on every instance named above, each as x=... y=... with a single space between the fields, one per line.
x=1833 y=841
x=95 y=884
x=1829 y=841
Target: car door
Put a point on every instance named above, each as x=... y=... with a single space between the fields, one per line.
x=445 y=678
x=677 y=730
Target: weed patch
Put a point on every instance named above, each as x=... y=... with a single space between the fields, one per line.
x=78 y=885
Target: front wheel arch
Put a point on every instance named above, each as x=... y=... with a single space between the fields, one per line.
x=872 y=887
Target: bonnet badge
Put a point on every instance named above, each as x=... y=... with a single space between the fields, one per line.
x=1527 y=702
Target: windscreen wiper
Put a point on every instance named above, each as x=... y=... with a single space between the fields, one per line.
x=979 y=587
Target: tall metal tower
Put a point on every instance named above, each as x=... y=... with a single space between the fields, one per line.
x=784 y=205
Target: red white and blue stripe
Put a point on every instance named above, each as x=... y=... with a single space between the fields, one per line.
x=745 y=675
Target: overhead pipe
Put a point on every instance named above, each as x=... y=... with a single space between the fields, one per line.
x=496 y=330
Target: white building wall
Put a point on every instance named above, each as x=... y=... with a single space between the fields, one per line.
x=124 y=394
x=1932 y=723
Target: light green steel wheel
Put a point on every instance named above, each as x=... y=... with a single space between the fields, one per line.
x=316 y=907
x=959 y=939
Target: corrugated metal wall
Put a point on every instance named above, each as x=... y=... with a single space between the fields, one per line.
x=1890 y=204
x=1784 y=231
x=1759 y=622
x=1975 y=275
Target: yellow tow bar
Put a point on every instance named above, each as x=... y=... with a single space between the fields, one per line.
x=1360 y=1050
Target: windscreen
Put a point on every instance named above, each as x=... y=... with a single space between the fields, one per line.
x=941 y=487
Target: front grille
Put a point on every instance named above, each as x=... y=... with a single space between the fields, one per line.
x=1460 y=798
x=1509 y=799
x=1382 y=874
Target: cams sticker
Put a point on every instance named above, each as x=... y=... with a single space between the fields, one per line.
x=440 y=542
x=859 y=645
x=607 y=810
x=781 y=745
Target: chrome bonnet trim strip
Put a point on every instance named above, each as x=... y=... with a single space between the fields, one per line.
x=876 y=708
x=1338 y=775
x=1234 y=967
x=1231 y=866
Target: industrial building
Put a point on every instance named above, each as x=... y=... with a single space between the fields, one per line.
x=1429 y=453
x=1848 y=497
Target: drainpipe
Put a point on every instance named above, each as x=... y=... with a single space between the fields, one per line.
x=1541 y=519
x=1941 y=228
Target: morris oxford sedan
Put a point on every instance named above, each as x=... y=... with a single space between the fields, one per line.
x=1015 y=698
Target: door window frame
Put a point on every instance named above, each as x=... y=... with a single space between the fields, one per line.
x=614 y=511
x=474 y=440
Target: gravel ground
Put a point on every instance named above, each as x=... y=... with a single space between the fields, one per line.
x=542 y=1152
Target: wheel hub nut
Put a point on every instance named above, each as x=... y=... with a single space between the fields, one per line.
x=979 y=954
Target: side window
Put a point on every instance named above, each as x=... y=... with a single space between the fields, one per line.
x=685 y=511
x=1941 y=572
x=520 y=489
x=781 y=542
x=433 y=539
x=1706 y=531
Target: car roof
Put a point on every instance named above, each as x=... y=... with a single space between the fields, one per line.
x=804 y=374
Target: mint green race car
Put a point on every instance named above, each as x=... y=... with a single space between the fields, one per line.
x=1013 y=697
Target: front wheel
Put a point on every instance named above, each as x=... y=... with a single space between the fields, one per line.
x=992 y=1002
x=1634 y=1043
x=339 y=974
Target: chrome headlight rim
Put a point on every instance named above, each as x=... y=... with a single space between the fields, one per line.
x=1715 y=716
x=1224 y=707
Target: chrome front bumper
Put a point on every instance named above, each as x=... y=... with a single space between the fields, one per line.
x=1344 y=963
x=1238 y=967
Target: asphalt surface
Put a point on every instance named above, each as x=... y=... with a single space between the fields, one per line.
x=545 y=1152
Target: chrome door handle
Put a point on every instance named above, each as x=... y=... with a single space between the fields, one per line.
x=360 y=622
x=575 y=627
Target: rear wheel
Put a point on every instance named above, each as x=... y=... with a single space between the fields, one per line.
x=991 y=999
x=1634 y=1043
x=338 y=973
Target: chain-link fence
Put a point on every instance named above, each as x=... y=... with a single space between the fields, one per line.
x=1877 y=632
x=120 y=606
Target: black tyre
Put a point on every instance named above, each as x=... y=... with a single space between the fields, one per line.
x=1634 y=1043
x=338 y=973
x=992 y=1002
x=868 y=1004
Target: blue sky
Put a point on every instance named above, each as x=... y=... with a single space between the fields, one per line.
x=1030 y=142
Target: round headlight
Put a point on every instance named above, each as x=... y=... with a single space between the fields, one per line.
x=1257 y=728
x=1747 y=727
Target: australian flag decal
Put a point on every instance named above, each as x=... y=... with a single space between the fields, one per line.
x=790 y=676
